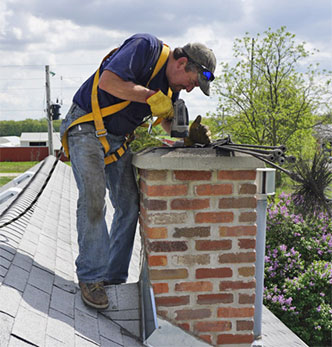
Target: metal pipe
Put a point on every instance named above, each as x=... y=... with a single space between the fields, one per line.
x=260 y=256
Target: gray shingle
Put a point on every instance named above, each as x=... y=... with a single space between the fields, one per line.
x=110 y=330
x=127 y=296
x=87 y=326
x=4 y=262
x=5 y=328
x=16 y=342
x=83 y=342
x=41 y=279
x=23 y=261
x=63 y=301
x=52 y=342
x=11 y=299
x=108 y=343
x=61 y=327
x=16 y=278
x=30 y=326
x=36 y=299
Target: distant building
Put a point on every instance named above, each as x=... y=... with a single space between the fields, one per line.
x=39 y=140
x=9 y=141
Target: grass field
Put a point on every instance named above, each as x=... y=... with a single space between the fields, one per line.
x=20 y=166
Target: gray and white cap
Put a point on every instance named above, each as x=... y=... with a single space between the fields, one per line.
x=205 y=58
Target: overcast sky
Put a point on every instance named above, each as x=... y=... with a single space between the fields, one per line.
x=72 y=36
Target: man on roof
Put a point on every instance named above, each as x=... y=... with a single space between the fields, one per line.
x=142 y=77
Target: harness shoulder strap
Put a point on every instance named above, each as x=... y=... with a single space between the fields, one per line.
x=98 y=113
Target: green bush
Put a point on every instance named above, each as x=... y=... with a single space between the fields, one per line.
x=298 y=271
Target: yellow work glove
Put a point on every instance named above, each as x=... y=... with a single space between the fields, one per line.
x=161 y=105
x=198 y=133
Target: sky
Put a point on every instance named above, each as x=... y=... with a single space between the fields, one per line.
x=72 y=37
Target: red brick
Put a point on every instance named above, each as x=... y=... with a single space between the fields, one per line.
x=208 y=245
x=247 y=188
x=156 y=233
x=246 y=299
x=171 y=301
x=247 y=271
x=168 y=274
x=167 y=246
x=232 y=312
x=153 y=175
x=167 y=190
x=213 y=326
x=244 y=325
x=224 y=339
x=157 y=260
x=199 y=286
x=237 y=175
x=211 y=299
x=185 y=326
x=249 y=202
x=160 y=288
x=214 y=217
x=190 y=204
x=234 y=285
x=191 y=175
x=247 y=217
x=155 y=205
x=245 y=230
x=206 y=338
x=192 y=232
x=247 y=243
x=243 y=257
x=189 y=314
x=214 y=273
x=214 y=189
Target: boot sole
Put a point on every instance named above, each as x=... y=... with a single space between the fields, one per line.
x=91 y=304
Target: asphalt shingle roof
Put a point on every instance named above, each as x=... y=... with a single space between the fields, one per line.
x=40 y=302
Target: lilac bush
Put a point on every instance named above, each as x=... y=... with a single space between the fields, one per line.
x=298 y=270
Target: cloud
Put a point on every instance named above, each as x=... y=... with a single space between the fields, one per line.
x=171 y=17
x=72 y=36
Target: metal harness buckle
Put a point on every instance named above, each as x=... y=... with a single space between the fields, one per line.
x=101 y=132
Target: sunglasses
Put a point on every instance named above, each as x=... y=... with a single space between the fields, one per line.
x=206 y=73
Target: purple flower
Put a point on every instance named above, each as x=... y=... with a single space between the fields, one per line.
x=283 y=248
x=288 y=301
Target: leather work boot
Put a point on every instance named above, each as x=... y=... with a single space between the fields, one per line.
x=94 y=295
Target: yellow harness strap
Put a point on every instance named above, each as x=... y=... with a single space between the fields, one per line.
x=98 y=114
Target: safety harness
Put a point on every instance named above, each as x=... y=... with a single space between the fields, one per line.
x=98 y=113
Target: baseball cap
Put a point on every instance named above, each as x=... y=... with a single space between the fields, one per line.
x=205 y=60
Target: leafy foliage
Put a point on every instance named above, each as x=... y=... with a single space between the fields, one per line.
x=264 y=99
x=143 y=139
x=15 y=128
x=298 y=271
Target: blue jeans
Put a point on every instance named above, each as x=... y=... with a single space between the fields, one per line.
x=103 y=255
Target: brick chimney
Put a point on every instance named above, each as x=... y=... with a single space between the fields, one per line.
x=198 y=223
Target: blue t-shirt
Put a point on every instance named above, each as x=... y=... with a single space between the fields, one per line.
x=134 y=61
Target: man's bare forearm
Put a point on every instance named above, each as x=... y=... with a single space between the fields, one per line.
x=126 y=90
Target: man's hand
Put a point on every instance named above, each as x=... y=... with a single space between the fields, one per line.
x=161 y=105
x=198 y=133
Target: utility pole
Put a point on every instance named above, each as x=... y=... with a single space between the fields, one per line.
x=48 y=111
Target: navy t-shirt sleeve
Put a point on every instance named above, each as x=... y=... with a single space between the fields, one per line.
x=132 y=61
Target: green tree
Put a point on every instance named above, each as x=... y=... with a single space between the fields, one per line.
x=15 y=128
x=266 y=98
